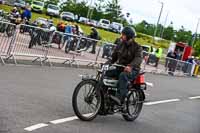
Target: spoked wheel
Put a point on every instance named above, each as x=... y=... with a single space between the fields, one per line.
x=133 y=105
x=67 y=46
x=86 y=100
x=10 y=30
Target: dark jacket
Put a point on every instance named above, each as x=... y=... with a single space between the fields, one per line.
x=94 y=35
x=128 y=53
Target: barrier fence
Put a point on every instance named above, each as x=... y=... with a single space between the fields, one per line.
x=44 y=45
x=170 y=65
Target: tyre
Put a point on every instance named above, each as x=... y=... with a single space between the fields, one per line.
x=67 y=47
x=89 y=98
x=10 y=31
x=134 y=105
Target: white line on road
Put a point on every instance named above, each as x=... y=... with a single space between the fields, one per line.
x=196 y=97
x=64 y=120
x=149 y=84
x=34 y=127
x=164 y=101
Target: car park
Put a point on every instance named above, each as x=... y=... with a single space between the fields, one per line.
x=68 y=16
x=20 y=3
x=104 y=24
x=83 y=20
x=116 y=27
x=43 y=21
x=37 y=6
x=53 y=10
x=92 y=23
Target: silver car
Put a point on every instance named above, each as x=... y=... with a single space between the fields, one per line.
x=67 y=16
x=20 y=3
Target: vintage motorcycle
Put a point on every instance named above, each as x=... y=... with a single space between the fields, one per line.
x=96 y=95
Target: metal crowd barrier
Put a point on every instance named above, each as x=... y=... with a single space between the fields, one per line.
x=168 y=65
x=72 y=48
x=7 y=36
x=32 y=42
x=44 y=45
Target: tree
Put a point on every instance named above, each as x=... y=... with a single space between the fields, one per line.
x=196 y=45
x=113 y=11
x=183 y=36
x=78 y=8
x=168 y=33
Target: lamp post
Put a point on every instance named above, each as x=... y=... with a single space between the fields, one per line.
x=163 y=29
x=90 y=9
x=196 y=32
x=155 y=32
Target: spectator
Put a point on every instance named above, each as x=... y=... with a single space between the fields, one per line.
x=171 y=62
x=178 y=54
x=158 y=55
x=94 y=35
x=14 y=11
x=27 y=13
x=190 y=65
x=61 y=27
x=68 y=29
x=76 y=31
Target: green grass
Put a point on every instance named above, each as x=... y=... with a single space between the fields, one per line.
x=105 y=35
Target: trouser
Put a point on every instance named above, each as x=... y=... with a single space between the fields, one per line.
x=156 y=61
x=123 y=80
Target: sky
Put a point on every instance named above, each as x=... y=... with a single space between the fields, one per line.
x=181 y=12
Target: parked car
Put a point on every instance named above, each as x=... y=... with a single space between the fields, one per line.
x=43 y=21
x=37 y=6
x=104 y=23
x=20 y=3
x=116 y=27
x=92 y=23
x=2 y=1
x=67 y=16
x=53 y=10
x=83 y=20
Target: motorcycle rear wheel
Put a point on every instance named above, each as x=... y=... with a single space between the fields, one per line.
x=134 y=99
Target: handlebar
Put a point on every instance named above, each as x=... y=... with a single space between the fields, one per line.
x=118 y=65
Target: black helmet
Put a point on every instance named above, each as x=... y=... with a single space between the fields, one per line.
x=129 y=32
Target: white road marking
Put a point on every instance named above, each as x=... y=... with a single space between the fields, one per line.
x=149 y=84
x=159 y=102
x=196 y=97
x=63 y=120
x=34 y=127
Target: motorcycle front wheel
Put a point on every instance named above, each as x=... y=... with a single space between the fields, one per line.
x=86 y=100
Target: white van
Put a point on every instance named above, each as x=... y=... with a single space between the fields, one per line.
x=53 y=10
x=104 y=23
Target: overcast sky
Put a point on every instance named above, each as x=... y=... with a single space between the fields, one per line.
x=181 y=12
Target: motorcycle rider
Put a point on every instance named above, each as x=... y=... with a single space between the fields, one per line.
x=127 y=53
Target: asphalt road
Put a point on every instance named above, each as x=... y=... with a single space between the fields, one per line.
x=34 y=95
